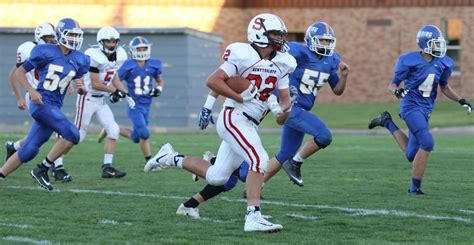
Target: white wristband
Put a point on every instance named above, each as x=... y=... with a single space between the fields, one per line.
x=209 y=102
x=160 y=88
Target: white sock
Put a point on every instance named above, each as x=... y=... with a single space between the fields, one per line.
x=178 y=159
x=17 y=145
x=58 y=162
x=253 y=209
x=108 y=158
x=298 y=158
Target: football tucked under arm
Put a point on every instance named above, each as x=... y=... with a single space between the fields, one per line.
x=238 y=84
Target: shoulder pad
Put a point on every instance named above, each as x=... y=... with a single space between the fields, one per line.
x=96 y=56
x=24 y=51
x=447 y=61
x=237 y=52
x=121 y=54
x=286 y=62
x=155 y=63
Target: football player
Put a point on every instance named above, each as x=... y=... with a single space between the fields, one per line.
x=318 y=65
x=265 y=63
x=421 y=72
x=44 y=33
x=57 y=65
x=143 y=78
x=106 y=59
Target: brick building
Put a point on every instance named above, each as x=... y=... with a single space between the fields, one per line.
x=370 y=33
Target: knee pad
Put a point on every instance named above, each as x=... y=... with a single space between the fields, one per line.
x=72 y=135
x=28 y=152
x=143 y=133
x=215 y=178
x=113 y=131
x=231 y=182
x=324 y=139
x=410 y=154
x=244 y=171
x=425 y=139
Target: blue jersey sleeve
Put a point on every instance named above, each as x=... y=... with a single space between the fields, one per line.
x=37 y=58
x=401 y=71
x=334 y=77
x=123 y=72
x=295 y=51
x=156 y=64
x=448 y=63
x=84 y=63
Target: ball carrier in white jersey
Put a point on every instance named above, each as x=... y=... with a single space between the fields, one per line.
x=266 y=64
x=100 y=81
x=44 y=33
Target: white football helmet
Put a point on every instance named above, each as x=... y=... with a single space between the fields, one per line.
x=260 y=27
x=44 y=29
x=108 y=33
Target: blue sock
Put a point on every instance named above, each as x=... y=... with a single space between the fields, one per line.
x=415 y=184
x=390 y=125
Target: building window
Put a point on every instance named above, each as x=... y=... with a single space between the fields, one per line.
x=452 y=32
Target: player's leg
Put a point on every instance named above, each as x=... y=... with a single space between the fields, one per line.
x=13 y=146
x=385 y=120
x=37 y=136
x=418 y=125
x=140 y=132
x=107 y=121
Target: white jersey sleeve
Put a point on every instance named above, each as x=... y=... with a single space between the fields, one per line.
x=23 y=54
x=234 y=55
x=287 y=64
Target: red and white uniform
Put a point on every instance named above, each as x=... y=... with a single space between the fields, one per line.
x=237 y=123
x=22 y=55
x=92 y=102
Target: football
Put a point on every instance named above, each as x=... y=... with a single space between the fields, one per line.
x=238 y=84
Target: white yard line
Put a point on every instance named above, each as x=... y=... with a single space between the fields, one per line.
x=113 y=222
x=467 y=211
x=300 y=216
x=26 y=239
x=353 y=211
x=16 y=225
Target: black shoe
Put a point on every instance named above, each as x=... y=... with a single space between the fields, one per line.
x=293 y=170
x=380 y=120
x=60 y=174
x=244 y=195
x=109 y=172
x=40 y=174
x=10 y=150
x=417 y=192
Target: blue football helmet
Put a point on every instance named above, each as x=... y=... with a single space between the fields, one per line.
x=315 y=34
x=140 y=42
x=431 y=41
x=69 y=34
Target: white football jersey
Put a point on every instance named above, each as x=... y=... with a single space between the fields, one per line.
x=23 y=54
x=107 y=69
x=241 y=59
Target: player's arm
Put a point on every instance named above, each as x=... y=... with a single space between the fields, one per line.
x=96 y=83
x=216 y=83
x=205 y=116
x=16 y=89
x=117 y=84
x=341 y=85
x=451 y=94
x=285 y=105
x=156 y=91
x=20 y=75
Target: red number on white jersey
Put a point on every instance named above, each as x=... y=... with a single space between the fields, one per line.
x=269 y=84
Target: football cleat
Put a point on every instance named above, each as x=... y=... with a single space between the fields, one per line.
x=60 y=174
x=417 y=192
x=191 y=212
x=110 y=172
x=40 y=174
x=10 y=150
x=102 y=135
x=254 y=221
x=164 y=158
x=293 y=170
x=380 y=120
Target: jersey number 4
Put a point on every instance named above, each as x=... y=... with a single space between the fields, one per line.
x=427 y=85
x=311 y=80
x=53 y=81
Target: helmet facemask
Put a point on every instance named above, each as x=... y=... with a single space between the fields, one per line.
x=109 y=49
x=319 y=47
x=278 y=44
x=436 y=47
x=72 y=39
x=141 y=54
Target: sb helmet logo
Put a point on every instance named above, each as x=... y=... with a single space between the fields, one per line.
x=258 y=24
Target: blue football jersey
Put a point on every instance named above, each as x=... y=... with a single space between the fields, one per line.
x=140 y=79
x=56 y=70
x=312 y=72
x=421 y=79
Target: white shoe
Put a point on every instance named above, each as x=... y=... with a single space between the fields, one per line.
x=191 y=212
x=255 y=222
x=163 y=159
x=207 y=156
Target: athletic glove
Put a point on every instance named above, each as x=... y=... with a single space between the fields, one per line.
x=465 y=104
x=249 y=93
x=155 y=92
x=117 y=95
x=293 y=94
x=400 y=93
x=272 y=104
x=205 y=117
x=130 y=101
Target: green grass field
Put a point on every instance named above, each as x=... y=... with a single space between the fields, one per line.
x=355 y=193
